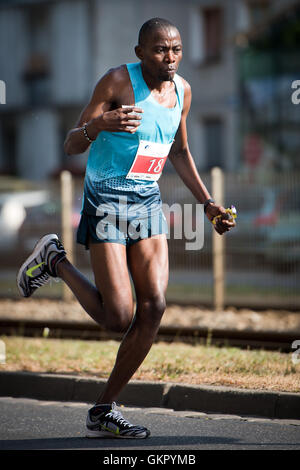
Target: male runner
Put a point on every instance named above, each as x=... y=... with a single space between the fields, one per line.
x=154 y=121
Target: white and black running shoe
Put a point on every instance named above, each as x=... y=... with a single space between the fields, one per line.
x=106 y=421
x=36 y=271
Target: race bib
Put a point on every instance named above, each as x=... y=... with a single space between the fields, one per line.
x=149 y=161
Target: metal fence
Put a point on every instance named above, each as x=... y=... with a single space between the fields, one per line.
x=261 y=255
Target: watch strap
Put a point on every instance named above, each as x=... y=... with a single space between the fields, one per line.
x=208 y=201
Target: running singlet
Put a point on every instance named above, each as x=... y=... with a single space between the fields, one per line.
x=121 y=163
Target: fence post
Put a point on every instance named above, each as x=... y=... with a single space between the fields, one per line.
x=218 y=242
x=66 y=222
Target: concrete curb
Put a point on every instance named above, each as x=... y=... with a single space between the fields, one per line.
x=280 y=405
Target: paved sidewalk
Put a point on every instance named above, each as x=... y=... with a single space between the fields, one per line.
x=211 y=399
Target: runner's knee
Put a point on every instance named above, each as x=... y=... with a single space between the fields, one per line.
x=118 y=318
x=152 y=309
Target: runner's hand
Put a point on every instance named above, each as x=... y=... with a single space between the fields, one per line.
x=119 y=120
x=224 y=223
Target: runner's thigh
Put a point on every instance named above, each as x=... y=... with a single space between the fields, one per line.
x=109 y=263
x=149 y=267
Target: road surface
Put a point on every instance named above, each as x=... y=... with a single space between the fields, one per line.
x=43 y=425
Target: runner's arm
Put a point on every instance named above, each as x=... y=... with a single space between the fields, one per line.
x=181 y=157
x=183 y=162
x=97 y=114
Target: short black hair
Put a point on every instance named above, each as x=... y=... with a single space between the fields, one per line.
x=150 y=26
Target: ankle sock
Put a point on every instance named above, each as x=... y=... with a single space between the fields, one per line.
x=98 y=409
x=53 y=262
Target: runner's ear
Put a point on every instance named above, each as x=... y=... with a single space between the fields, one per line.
x=138 y=52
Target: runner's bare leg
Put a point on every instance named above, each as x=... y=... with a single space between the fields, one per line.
x=148 y=263
x=113 y=307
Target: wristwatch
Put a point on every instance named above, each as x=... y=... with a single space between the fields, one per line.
x=208 y=201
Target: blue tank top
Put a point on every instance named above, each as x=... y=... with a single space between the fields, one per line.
x=112 y=153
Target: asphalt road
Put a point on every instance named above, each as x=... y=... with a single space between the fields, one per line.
x=42 y=425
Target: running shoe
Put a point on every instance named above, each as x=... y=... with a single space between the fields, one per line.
x=40 y=266
x=106 y=421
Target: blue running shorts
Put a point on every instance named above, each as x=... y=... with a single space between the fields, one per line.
x=120 y=211
x=114 y=229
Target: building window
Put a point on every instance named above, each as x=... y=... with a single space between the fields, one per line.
x=213 y=142
x=36 y=75
x=8 y=164
x=37 y=67
x=258 y=11
x=206 y=35
x=213 y=33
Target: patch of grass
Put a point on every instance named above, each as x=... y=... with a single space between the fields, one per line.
x=235 y=295
x=175 y=362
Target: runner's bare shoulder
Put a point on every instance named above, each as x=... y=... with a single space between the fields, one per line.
x=113 y=82
x=187 y=94
x=186 y=85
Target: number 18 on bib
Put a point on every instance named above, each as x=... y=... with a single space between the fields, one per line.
x=149 y=161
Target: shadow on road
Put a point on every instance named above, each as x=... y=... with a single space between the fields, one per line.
x=112 y=443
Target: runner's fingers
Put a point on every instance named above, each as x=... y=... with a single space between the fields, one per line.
x=126 y=123
x=130 y=129
x=132 y=123
x=131 y=109
x=227 y=222
x=221 y=227
x=230 y=223
x=133 y=116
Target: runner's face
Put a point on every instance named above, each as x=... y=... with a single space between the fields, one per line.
x=162 y=53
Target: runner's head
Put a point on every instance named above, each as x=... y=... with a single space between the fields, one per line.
x=159 y=48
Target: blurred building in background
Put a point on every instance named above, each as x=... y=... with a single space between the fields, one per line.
x=268 y=65
x=240 y=57
x=52 y=53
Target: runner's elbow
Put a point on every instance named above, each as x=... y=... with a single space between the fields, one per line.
x=67 y=145
x=69 y=148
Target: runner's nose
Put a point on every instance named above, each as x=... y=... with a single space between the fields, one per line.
x=170 y=57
